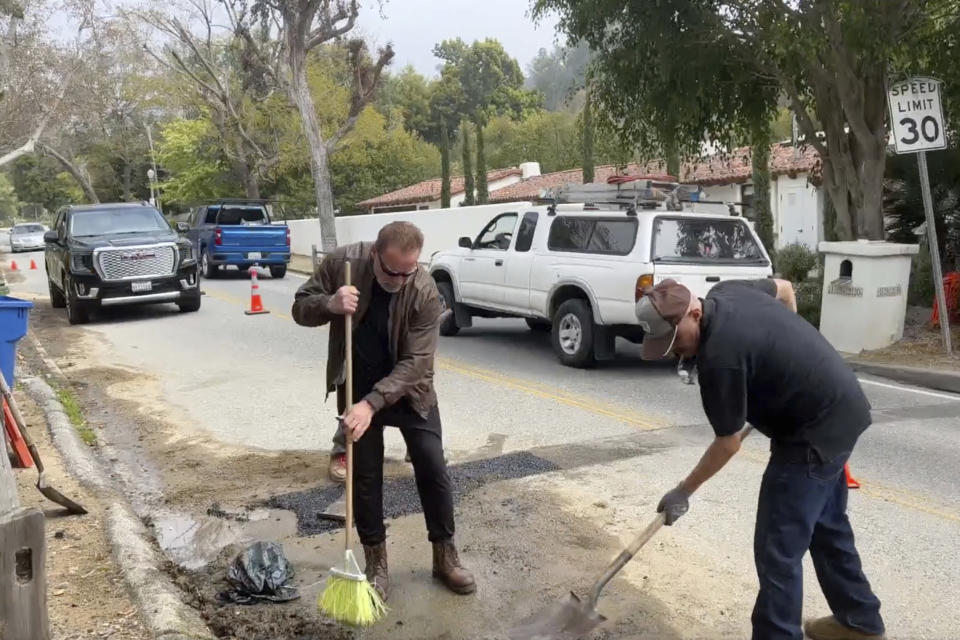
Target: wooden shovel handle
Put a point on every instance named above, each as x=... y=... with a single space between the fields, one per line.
x=625 y=556
x=348 y=404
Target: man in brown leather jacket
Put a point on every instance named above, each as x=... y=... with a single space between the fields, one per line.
x=396 y=310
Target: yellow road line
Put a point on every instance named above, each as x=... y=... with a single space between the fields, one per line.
x=879 y=491
x=643 y=422
x=243 y=303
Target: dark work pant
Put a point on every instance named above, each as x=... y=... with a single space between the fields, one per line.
x=803 y=505
x=425 y=446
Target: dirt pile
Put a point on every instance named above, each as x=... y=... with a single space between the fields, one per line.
x=290 y=621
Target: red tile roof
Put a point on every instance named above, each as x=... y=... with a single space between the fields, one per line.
x=731 y=168
x=530 y=188
x=429 y=190
x=735 y=167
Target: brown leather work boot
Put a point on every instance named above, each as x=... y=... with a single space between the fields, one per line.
x=829 y=629
x=447 y=568
x=376 y=568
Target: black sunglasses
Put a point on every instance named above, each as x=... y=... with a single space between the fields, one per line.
x=395 y=274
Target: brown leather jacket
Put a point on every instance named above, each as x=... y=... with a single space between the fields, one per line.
x=414 y=326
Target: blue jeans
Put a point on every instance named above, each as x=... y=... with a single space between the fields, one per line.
x=803 y=505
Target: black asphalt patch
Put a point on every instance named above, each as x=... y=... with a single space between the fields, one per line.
x=400 y=496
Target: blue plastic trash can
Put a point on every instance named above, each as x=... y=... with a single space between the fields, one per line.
x=14 y=314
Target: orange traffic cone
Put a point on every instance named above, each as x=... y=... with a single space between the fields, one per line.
x=256 y=303
x=33 y=265
x=13 y=265
x=852 y=482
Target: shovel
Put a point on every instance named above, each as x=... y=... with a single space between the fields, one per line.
x=571 y=617
x=49 y=492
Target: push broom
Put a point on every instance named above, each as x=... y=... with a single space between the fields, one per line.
x=348 y=597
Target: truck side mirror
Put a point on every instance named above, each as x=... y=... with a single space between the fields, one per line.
x=50 y=236
x=183 y=227
x=466 y=242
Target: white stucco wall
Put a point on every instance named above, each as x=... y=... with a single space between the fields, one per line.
x=797 y=212
x=721 y=193
x=441 y=227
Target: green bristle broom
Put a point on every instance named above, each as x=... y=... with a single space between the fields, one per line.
x=348 y=597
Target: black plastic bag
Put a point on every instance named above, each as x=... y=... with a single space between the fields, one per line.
x=260 y=574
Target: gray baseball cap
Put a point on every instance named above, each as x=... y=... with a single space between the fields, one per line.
x=659 y=312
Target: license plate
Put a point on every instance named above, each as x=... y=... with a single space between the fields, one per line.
x=140 y=287
x=254 y=255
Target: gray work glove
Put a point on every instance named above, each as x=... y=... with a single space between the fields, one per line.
x=675 y=503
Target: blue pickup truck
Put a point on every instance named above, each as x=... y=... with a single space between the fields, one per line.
x=238 y=233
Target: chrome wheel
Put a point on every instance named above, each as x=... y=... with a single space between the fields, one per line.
x=570 y=333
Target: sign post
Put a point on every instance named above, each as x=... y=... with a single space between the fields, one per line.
x=916 y=117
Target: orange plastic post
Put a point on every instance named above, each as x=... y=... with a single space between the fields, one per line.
x=852 y=482
x=256 y=302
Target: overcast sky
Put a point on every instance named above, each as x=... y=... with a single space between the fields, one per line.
x=414 y=26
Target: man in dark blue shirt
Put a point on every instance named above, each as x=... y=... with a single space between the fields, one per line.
x=761 y=363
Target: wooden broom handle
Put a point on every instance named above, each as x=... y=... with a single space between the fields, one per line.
x=348 y=404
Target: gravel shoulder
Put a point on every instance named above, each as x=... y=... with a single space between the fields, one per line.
x=921 y=346
x=86 y=593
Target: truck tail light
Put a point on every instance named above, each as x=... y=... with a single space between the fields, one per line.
x=218 y=236
x=288 y=236
x=644 y=281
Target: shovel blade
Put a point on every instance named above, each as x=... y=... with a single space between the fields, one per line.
x=53 y=495
x=567 y=619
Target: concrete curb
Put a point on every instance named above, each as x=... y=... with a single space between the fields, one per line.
x=929 y=378
x=158 y=600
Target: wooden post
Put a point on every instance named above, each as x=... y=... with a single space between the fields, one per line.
x=934 y=252
x=313 y=257
x=23 y=584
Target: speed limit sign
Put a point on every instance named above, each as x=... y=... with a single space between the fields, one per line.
x=916 y=115
x=916 y=118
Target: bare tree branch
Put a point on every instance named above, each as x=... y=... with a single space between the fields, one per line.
x=27 y=147
x=331 y=28
x=79 y=173
x=365 y=82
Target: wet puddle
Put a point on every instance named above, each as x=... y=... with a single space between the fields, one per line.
x=194 y=541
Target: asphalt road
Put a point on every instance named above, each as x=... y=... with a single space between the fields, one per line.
x=257 y=381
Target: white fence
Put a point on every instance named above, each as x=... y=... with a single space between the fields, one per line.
x=441 y=227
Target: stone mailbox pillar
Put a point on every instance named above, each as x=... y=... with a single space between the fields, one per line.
x=864 y=293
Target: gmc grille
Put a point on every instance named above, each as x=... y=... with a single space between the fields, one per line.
x=129 y=263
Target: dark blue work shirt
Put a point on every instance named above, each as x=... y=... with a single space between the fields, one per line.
x=761 y=363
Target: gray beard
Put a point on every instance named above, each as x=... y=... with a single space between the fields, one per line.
x=391 y=288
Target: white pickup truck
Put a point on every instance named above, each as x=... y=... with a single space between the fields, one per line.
x=577 y=272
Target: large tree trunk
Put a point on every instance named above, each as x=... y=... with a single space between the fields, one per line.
x=127 y=180
x=852 y=109
x=853 y=171
x=79 y=173
x=319 y=162
x=248 y=175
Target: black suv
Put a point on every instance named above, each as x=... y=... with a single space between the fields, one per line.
x=116 y=254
